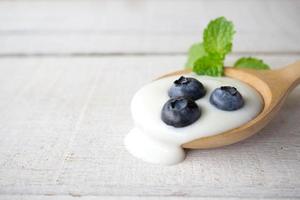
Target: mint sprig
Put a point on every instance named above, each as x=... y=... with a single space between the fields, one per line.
x=207 y=58
x=250 y=62
x=218 y=36
x=196 y=51
x=209 y=66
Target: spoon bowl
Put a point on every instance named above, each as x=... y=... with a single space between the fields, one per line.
x=272 y=85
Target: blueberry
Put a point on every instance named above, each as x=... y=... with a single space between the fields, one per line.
x=180 y=112
x=227 y=98
x=188 y=87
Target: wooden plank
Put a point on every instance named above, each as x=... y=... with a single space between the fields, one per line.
x=49 y=27
x=62 y=197
x=73 y=44
x=63 y=120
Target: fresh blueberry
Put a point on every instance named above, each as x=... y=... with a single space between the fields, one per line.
x=188 y=87
x=180 y=112
x=227 y=98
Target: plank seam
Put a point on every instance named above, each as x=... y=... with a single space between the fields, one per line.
x=120 y=54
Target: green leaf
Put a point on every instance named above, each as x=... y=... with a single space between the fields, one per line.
x=218 y=36
x=250 y=62
x=207 y=58
x=195 y=52
x=209 y=65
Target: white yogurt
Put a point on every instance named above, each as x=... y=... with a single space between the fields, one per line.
x=153 y=141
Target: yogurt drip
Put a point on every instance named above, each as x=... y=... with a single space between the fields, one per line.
x=153 y=141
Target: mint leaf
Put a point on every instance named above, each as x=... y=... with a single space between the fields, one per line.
x=218 y=36
x=250 y=62
x=195 y=52
x=207 y=58
x=209 y=65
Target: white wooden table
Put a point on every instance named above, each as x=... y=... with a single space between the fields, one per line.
x=68 y=70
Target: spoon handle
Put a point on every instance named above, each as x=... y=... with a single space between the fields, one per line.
x=291 y=74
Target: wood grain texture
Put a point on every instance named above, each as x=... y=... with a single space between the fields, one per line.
x=93 y=27
x=65 y=197
x=63 y=120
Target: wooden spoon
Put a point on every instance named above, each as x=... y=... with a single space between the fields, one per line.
x=273 y=85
